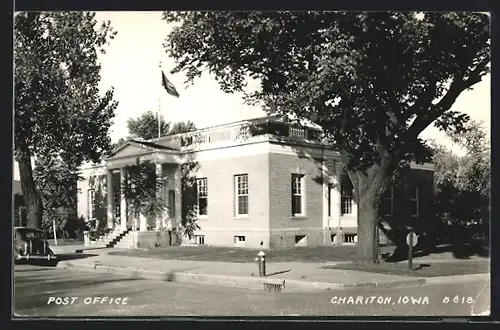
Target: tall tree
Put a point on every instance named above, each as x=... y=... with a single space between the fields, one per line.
x=182 y=127
x=463 y=183
x=58 y=108
x=146 y=126
x=56 y=182
x=372 y=80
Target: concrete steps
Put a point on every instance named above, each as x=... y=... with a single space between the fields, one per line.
x=108 y=240
x=114 y=240
x=125 y=242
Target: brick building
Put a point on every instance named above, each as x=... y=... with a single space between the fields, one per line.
x=259 y=180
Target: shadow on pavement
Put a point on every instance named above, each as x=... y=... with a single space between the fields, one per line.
x=422 y=266
x=73 y=256
x=279 y=272
x=459 y=251
x=60 y=257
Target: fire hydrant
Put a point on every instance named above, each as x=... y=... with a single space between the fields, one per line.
x=261 y=257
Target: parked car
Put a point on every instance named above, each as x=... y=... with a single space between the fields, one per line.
x=30 y=244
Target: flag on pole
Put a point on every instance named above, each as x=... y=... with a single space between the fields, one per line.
x=169 y=87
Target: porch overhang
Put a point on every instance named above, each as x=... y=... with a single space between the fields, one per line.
x=131 y=151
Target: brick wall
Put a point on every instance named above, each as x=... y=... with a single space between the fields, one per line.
x=426 y=220
x=220 y=225
x=285 y=227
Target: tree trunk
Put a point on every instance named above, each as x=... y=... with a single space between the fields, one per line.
x=369 y=186
x=55 y=231
x=367 y=248
x=32 y=200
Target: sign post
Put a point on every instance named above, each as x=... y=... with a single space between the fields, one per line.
x=411 y=240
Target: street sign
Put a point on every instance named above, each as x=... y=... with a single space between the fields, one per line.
x=411 y=239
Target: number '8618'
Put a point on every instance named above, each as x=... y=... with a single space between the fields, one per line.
x=458 y=300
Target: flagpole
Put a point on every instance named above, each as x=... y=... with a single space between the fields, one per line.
x=159 y=109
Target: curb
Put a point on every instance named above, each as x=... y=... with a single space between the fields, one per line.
x=458 y=279
x=245 y=282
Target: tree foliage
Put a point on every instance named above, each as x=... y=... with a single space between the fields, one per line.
x=463 y=183
x=140 y=189
x=146 y=126
x=57 y=183
x=182 y=127
x=189 y=198
x=58 y=107
x=372 y=80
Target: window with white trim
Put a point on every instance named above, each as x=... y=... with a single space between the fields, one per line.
x=92 y=206
x=202 y=188
x=199 y=239
x=298 y=197
x=239 y=240
x=414 y=200
x=346 y=195
x=241 y=194
x=387 y=204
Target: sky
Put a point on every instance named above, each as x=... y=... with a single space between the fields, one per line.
x=131 y=66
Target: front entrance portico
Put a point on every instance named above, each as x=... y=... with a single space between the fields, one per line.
x=167 y=168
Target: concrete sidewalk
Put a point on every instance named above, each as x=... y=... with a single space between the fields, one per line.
x=66 y=249
x=289 y=276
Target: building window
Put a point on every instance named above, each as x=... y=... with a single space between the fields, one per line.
x=241 y=192
x=329 y=196
x=239 y=240
x=414 y=199
x=297 y=194
x=350 y=238
x=171 y=203
x=300 y=240
x=346 y=194
x=92 y=206
x=387 y=202
x=202 y=187
x=199 y=239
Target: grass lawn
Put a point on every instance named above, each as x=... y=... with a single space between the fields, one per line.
x=205 y=253
x=422 y=269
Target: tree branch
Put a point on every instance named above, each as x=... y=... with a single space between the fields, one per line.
x=435 y=111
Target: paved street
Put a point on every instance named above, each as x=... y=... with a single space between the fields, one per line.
x=35 y=285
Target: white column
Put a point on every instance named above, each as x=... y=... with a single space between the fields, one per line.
x=110 y=204
x=326 y=181
x=143 y=222
x=159 y=194
x=123 y=201
x=335 y=195
x=178 y=196
x=335 y=201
